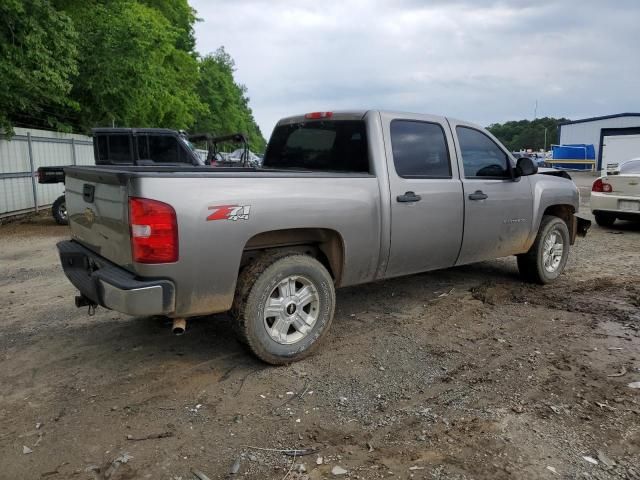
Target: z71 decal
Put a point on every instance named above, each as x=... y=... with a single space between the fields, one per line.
x=230 y=212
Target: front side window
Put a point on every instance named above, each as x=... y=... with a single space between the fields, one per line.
x=163 y=149
x=419 y=149
x=481 y=156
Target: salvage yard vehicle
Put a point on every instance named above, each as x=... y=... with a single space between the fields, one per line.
x=48 y=175
x=616 y=195
x=343 y=198
x=125 y=146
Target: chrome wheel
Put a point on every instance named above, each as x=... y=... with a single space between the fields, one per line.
x=552 y=251
x=291 y=310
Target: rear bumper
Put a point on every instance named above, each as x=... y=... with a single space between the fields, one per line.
x=610 y=203
x=113 y=287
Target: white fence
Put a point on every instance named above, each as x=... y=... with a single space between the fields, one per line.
x=20 y=158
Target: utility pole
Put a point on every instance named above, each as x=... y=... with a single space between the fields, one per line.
x=535 y=111
x=545 y=139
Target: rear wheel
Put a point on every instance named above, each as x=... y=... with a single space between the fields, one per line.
x=547 y=257
x=604 y=219
x=283 y=307
x=59 y=211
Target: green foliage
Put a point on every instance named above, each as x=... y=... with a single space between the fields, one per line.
x=38 y=57
x=131 y=72
x=228 y=105
x=181 y=16
x=523 y=134
x=85 y=63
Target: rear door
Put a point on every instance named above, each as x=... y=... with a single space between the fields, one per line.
x=426 y=194
x=498 y=207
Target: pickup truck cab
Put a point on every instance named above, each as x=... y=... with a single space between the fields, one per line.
x=343 y=198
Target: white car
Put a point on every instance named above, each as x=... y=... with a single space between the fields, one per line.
x=616 y=195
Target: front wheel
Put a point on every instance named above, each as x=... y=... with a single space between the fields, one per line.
x=547 y=257
x=283 y=307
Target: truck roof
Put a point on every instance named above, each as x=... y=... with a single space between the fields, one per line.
x=353 y=115
x=161 y=131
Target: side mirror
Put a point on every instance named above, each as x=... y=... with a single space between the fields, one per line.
x=525 y=166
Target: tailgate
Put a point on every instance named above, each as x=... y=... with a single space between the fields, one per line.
x=98 y=209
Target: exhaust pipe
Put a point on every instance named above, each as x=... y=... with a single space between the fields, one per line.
x=179 y=326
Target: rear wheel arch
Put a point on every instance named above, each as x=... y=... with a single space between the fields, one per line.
x=326 y=245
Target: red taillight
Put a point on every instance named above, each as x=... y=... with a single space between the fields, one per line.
x=317 y=115
x=600 y=186
x=597 y=186
x=154 y=231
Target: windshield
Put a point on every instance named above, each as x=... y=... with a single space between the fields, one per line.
x=339 y=146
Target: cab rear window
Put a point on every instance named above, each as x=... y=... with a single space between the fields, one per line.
x=330 y=146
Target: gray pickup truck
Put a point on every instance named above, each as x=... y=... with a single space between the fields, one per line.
x=343 y=198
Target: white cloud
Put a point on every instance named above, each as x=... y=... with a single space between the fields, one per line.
x=484 y=61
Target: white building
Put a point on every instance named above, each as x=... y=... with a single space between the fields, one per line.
x=615 y=137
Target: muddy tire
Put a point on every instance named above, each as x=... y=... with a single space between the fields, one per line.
x=547 y=257
x=59 y=211
x=604 y=219
x=283 y=307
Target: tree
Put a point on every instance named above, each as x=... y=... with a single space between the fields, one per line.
x=227 y=101
x=38 y=58
x=524 y=134
x=182 y=17
x=131 y=72
x=78 y=64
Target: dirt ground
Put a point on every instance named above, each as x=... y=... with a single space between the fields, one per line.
x=457 y=374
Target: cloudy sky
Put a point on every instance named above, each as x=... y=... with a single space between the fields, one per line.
x=480 y=60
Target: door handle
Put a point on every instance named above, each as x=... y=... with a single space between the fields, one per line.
x=408 y=197
x=478 y=195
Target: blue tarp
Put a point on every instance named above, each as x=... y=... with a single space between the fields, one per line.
x=574 y=153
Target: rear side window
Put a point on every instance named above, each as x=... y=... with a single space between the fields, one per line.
x=419 y=150
x=481 y=156
x=333 y=146
x=114 y=149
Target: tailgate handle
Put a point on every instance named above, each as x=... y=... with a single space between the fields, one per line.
x=88 y=192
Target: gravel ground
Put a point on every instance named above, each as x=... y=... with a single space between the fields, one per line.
x=456 y=374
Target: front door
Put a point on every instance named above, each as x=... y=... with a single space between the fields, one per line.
x=498 y=206
x=426 y=195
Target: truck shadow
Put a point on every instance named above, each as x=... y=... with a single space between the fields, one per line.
x=146 y=345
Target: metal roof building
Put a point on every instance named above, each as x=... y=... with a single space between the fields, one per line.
x=615 y=137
